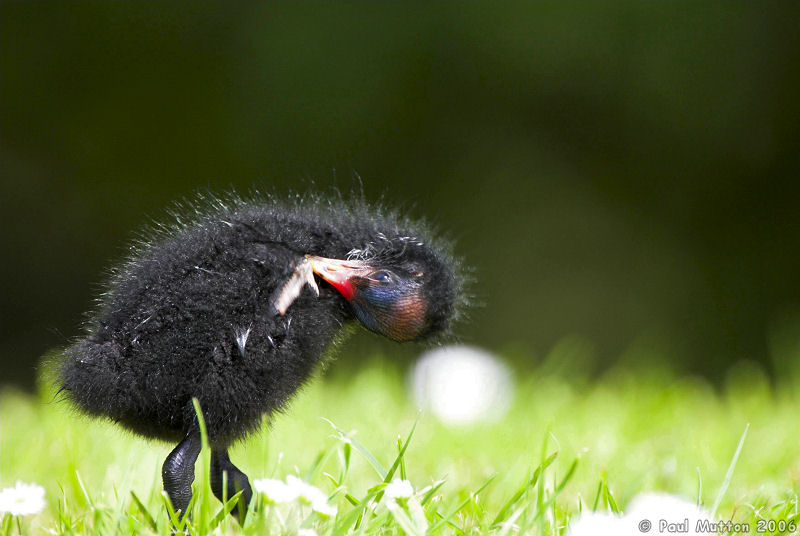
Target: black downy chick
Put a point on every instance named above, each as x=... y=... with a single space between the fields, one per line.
x=226 y=308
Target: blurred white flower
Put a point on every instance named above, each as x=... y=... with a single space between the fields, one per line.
x=462 y=385
x=22 y=500
x=275 y=491
x=648 y=513
x=306 y=532
x=596 y=524
x=398 y=489
x=664 y=511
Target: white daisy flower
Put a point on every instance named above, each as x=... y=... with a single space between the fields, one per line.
x=399 y=500
x=22 y=500
x=311 y=495
x=294 y=489
x=306 y=532
x=275 y=491
x=398 y=489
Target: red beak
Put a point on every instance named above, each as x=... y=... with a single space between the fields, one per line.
x=338 y=272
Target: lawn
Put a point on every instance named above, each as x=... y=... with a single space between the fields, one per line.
x=568 y=444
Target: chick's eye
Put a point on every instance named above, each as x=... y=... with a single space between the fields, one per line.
x=382 y=276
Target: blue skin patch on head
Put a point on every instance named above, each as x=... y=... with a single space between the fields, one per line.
x=390 y=307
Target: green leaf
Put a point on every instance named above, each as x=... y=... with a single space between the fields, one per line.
x=147 y=516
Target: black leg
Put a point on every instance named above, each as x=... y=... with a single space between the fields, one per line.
x=178 y=472
x=235 y=479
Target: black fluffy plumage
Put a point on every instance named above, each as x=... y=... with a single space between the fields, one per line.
x=189 y=313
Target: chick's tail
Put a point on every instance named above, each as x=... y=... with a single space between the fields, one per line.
x=87 y=374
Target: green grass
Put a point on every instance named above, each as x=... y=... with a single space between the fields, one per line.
x=567 y=444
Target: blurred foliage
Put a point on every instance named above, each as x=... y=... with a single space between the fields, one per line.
x=615 y=173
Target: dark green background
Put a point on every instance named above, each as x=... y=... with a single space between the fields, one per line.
x=624 y=174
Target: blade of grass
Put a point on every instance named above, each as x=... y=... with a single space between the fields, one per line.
x=89 y=500
x=429 y=494
x=567 y=477
x=338 y=487
x=541 y=483
x=550 y=501
x=405 y=521
x=5 y=526
x=344 y=458
x=608 y=497
x=364 y=451
x=352 y=516
x=524 y=488
x=729 y=474
x=597 y=495
x=699 y=487
x=226 y=509
x=319 y=461
x=202 y=487
x=402 y=461
x=147 y=516
x=463 y=503
x=399 y=459
x=177 y=524
x=508 y=525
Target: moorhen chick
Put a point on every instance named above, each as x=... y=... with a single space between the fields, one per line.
x=235 y=305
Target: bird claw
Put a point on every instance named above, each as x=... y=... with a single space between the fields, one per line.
x=285 y=295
